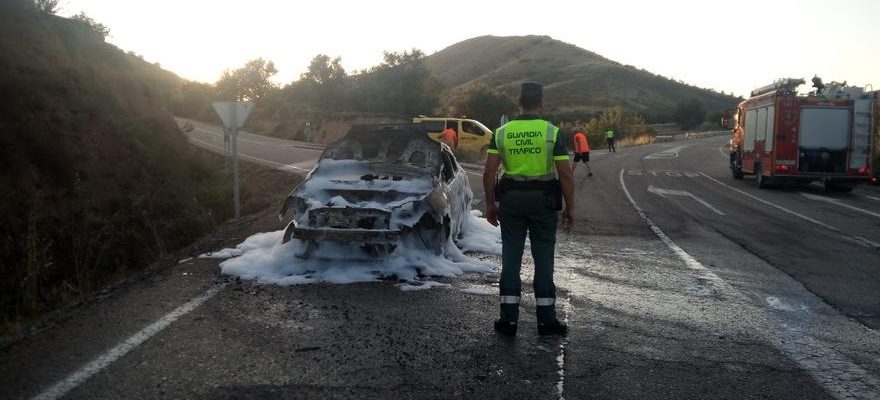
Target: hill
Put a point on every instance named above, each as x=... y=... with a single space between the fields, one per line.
x=97 y=178
x=575 y=80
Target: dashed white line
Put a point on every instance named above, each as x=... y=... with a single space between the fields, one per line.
x=872 y=197
x=838 y=375
x=62 y=387
x=856 y=239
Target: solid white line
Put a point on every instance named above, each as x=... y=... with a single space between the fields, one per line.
x=838 y=203
x=723 y=153
x=62 y=387
x=277 y=164
x=859 y=240
x=830 y=369
x=689 y=261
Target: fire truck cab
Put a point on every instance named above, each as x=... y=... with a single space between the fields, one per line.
x=780 y=136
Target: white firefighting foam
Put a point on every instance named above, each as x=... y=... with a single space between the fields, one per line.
x=264 y=259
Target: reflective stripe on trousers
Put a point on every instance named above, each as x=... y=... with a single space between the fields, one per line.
x=509 y=299
x=545 y=301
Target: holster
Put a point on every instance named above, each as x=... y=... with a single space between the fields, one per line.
x=552 y=190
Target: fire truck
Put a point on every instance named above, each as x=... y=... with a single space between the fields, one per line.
x=781 y=137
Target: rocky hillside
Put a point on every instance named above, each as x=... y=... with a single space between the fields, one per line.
x=575 y=79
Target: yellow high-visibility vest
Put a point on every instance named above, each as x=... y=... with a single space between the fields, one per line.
x=526 y=149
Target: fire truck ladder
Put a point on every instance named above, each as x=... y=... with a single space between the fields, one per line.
x=861 y=140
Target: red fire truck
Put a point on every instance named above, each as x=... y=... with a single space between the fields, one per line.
x=780 y=136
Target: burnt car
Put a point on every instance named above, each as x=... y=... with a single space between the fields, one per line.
x=379 y=188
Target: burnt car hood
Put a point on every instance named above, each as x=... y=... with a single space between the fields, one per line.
x=347 y=183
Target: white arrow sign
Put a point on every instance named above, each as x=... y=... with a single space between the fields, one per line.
x=233 y=113
x=670 y=192
x=839 y=203
x=666 y=154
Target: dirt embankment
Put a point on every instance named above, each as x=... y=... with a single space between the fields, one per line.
x=98 y=181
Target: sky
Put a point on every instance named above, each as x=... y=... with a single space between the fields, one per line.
x=727 y=46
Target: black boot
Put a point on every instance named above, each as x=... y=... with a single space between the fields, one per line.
x=552 y=328
x=507 y=328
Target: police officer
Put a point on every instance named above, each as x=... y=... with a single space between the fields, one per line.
x=537 y=177
x=609 y=136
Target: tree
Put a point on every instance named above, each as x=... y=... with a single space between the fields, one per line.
x=323 y=70
x=250 y=82
x=324 y=83
x=98 y=28
x=615 y=118
x=401 y=85
x=47 y=6
x=689 y=114
x=482 y=103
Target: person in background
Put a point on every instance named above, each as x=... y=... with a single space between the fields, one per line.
x=536 y=180
x=609 y=136
x=581 y=150
x=450 y=136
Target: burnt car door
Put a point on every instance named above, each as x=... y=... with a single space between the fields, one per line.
x=457 y=188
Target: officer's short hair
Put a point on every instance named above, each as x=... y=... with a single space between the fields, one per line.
x=530 y=95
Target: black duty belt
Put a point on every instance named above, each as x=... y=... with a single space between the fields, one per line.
x=512 y=184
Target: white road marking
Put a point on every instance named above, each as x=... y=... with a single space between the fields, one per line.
x=666 y=154
x=62 y=387
x=560 y=359
x=283 y=167
x=669 y=173
x=871 y=197
x=838 y=203
x=857 y=239
x=669 y=192
x=838 y=375
x=263 y=140
x=724 y=153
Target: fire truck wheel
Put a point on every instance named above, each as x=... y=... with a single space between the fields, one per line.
x=763 y=181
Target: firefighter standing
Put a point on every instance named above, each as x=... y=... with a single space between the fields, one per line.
x=530 y=196
x=581 y=150
x=609 y=136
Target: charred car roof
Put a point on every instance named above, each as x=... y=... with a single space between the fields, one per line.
x=398 y=144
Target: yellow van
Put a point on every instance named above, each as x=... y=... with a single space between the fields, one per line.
x=473 y=137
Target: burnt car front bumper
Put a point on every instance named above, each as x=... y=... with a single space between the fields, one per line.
x=343 y=235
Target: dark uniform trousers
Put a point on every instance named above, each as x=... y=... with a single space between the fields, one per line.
x=529 y=211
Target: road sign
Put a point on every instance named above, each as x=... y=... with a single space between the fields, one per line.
x=233 y=113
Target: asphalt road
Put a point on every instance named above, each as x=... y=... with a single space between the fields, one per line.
x=678 y=282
